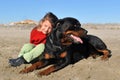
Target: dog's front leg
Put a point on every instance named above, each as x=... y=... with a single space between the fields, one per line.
x=59 y=65
x=34 y=66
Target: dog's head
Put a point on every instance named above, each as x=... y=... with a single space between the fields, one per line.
x=70 y=31
x=67 y=31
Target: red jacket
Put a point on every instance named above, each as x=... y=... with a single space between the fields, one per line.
x=37 y=37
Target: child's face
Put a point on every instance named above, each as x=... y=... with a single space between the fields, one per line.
x=46 y=27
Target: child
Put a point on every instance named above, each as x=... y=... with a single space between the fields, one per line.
x=34 y=49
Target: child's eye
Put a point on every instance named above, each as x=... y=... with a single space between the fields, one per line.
x=45 y=25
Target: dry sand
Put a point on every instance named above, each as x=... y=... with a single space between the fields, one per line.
x=12 y=39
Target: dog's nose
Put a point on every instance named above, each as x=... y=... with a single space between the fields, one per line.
x=86 y=31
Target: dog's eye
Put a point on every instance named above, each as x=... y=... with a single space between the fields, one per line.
x=77 y=27
x=74 y=28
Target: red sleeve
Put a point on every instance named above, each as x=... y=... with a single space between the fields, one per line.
x=37 y=37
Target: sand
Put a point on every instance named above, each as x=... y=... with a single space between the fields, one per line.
x=12 y=39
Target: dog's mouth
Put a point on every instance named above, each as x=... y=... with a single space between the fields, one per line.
x=76 y=39
x=72 y=37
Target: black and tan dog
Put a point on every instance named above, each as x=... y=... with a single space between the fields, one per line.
x=68 y=43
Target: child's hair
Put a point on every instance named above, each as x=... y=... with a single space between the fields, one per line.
x=50 y=17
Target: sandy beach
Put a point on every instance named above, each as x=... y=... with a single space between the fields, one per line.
x=13 y=38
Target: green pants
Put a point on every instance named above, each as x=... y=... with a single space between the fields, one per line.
x=30 y=51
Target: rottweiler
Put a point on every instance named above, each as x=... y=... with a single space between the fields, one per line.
x=68 y=43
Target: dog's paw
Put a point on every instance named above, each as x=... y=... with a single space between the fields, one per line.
x=104 y=58
x=23 y=71
x=43 y=73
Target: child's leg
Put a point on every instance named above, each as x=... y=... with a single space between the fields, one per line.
x=34 y=53
x=26 y=48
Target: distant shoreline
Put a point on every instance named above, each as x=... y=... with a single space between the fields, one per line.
x=87 y=26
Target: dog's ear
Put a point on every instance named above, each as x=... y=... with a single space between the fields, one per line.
x=59 y=23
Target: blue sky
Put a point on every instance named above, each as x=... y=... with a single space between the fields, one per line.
x=86 y=11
